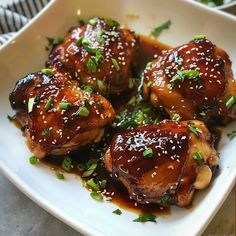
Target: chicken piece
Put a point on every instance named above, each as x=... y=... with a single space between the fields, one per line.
x=194 y=80
x=57 y=115
x=99 y=54
x=163 y=163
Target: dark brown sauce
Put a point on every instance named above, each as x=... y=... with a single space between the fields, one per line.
x=148 y=49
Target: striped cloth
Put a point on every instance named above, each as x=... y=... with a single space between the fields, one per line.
x=14 y=16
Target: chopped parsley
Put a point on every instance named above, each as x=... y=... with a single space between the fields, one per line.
x=158 y=30
x=145 y=218
x=117 y=212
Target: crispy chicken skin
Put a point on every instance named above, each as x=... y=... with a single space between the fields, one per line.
x=99 y=54
x=51 y=127
x=172 y=173
x=200 y=96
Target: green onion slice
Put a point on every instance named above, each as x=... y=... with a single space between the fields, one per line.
x=148 y=153
x=96 y=196
x=83 y=111
x=65 y=105
x=66 y=164
x=33 y=160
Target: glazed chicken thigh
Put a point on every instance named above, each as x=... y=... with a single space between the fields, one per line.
x=98 y=54
x=58 y=116
x=163 y=163
x=193 y=80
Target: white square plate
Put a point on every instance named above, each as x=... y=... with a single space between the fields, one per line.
x=68 y=200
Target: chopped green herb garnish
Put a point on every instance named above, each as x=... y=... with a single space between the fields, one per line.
x=166 y=200
x=94 y=184
x=198 y=157
x=193 y=129
x=11 y=118
x=46 y=132
x=149 y=64
x=230 y=102
x=47 y=71
x=232 y=135
x=65 y=105
x=199 y=36
x=83 y=111
x=117 y=212
x=145 y=218
x=96 y=196
x=115 y=63
x=90 y=167
x=176 y=117
x=31 y=104
x=158 y=30
x=202 y=114
x=33 y=160
x=48 y=104
x=99 y=58
x=100 y=84
x=182 y=75
x=92 y=22
x=148 y=153
x=99 y=36
x=87 y=88
x=66 y=164
x=123 y=169
x=79 y=42
x=59 y=175
x=149 y=84
x=111 y=23
x=91 y=65
x=103 y=183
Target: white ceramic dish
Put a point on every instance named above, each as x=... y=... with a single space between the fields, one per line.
x=68 y=200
